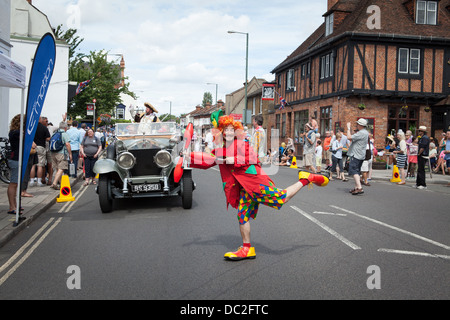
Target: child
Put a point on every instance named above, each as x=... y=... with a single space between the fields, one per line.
x=412 y=159
x=318 y=152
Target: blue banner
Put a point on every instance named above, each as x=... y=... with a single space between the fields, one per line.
x=40 y=77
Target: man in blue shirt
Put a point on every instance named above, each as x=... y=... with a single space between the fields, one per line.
x=76 y=139
x=422 y=157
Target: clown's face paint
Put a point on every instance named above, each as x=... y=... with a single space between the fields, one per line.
x=228 y=133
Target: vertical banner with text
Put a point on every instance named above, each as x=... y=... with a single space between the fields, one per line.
x=40 y=77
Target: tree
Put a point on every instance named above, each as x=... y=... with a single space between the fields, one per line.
x=104 y=78
x=71 y=38
x=207 y=99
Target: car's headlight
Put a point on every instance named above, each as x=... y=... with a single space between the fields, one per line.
x=163 y=159
x=126 y=161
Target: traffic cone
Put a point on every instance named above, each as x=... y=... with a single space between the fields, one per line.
x=65 y=194
x=395 y=175
x=294 y=163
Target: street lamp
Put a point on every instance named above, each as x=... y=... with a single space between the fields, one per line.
x=170 y=112
x=217 y=87
x=246 y=75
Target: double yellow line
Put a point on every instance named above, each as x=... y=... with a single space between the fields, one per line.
x=48 y=227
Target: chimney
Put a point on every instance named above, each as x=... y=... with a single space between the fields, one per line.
x=331 y=3
x=199 y=107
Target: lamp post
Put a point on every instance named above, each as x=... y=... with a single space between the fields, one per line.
x=170 y=110
x=246 y=75
x=217 y=88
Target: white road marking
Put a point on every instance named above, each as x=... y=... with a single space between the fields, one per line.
x=68 y=205
x=395 y=228
x=415 y=253
x=29 y=252
x=330 y=213
x=329 y=230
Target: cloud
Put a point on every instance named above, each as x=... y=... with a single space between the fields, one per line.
x=174 y=48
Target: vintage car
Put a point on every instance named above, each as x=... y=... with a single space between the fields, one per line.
x=140 y=162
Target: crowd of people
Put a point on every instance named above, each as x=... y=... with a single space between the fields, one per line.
x=354 y=152
x=56 y=151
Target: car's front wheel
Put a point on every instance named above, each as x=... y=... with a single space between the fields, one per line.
x=104 y=193
x=187 y=189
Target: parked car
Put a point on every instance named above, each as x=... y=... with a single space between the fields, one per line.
x=140 y=163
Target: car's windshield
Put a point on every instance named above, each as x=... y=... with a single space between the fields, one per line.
x=147 y=129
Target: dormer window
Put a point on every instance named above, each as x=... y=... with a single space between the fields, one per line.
x=426 y=12
x=329 y=23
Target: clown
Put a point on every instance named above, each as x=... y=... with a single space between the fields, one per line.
x=245 y=184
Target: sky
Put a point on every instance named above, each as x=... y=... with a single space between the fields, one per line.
x=174 y=48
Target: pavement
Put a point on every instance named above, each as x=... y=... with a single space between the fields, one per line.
x=45 y=197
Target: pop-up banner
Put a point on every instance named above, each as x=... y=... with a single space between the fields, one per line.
x=40 y=77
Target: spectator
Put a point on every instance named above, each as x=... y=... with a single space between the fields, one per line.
x=402 y=160
x=59 y=158
x=258 y=139
x=326 y=149
x=309 y=148
x=41 y=138
x=318 y=153
x=422 y=157
x=367 y=165
x=281 y=151
x=75 y=140
x=447 y=152
x=336 y=158
x=357 y=152
x=412 y=159
x=13 y=162
x=433 y=155
x=287 y=160
x=90 y=149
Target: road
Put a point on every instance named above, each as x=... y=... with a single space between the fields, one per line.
x=393 y=242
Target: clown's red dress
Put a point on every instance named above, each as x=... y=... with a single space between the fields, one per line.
x=245 y=184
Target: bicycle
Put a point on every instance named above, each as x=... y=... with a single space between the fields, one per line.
x=5 y=151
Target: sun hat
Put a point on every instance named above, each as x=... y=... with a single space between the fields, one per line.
x=149 y=105
x=423 y=128
x=362 y=122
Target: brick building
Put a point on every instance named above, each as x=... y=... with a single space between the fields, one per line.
x=384 y=60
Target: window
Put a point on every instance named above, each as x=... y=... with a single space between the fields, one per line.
x=283 y=125
x=326 y=115
x=300 y=119
x=290 y=80
x=329 y=22
x=306 y=70
x=401 y=118
x=120 y=113
x=409 y=61
x=426 y=12
x=326 y=66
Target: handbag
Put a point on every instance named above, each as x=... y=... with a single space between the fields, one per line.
x=368 y=153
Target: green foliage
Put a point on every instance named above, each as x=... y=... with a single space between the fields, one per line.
x=105 y=76
x=207 y=98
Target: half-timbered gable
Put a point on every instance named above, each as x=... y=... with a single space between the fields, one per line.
x=385 y=60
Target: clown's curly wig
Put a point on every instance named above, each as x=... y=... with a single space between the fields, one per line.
x=226 y=121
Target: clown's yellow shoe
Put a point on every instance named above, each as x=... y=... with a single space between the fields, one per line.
x=320 y=180
x=241 y=254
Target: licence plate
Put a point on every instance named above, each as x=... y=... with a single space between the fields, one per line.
x=147 y=187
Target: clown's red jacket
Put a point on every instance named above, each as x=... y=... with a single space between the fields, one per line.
x=243 y=170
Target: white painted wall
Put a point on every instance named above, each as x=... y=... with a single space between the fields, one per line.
x=28 y=25
x=5 y=49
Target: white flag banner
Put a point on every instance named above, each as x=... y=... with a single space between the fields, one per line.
x=12 y=74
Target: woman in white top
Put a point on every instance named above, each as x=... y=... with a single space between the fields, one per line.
x=401 y=152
